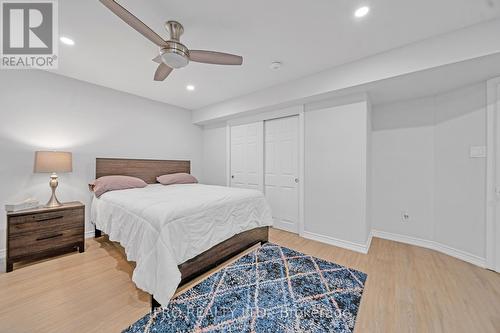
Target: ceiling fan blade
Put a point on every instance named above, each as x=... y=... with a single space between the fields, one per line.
x=133 y=21
x=216 y=58
x=157 y=59
x=162 y=72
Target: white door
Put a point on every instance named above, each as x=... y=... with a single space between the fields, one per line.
x=493 y=176
x=281 y=171
x=247 y=157
x=497 y=179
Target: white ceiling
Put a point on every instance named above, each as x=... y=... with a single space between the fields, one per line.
x=307 y=36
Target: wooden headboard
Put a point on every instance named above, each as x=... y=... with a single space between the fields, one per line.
x=147 y=170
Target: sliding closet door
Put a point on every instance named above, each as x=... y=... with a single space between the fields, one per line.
x=497 y=178
x=247 y=156
x=281 y=169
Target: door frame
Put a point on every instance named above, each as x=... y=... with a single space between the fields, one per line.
x=297 y=110
x=492 y=178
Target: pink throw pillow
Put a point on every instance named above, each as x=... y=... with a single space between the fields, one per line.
x=113 y=183
x=177 y=178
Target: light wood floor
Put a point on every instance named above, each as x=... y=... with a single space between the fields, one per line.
x=409 y=289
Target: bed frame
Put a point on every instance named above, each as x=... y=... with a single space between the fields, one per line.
x=148 y=170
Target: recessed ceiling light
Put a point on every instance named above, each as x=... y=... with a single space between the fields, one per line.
x=190 y=87
x=362 y=11
x=276 y=65
x=67 y=41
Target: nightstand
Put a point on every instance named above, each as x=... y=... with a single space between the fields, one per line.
x=43 y=232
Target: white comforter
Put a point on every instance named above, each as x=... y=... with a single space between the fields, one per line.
x=163 y=226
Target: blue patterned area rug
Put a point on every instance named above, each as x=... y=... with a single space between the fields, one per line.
x=270 y=290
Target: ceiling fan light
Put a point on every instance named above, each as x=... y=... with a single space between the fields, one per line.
x=362 y=11
x=174 y=60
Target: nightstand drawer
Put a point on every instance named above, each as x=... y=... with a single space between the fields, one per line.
x=42 y=241
x=44 y=232
x=40 y=223
x=48 y=217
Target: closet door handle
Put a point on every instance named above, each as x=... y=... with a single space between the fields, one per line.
x=296 y=180
x=232 y=176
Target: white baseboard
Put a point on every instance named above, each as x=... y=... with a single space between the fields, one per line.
x=432 y=245
x=369 y=241
x=361 y=248
x=89 y=234
x=3 y=253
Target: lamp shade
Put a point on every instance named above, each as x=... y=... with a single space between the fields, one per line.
x=53 y=161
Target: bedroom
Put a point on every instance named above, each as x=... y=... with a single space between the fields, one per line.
x=373 y=152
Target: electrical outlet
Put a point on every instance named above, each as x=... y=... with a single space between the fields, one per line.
x=405 y=217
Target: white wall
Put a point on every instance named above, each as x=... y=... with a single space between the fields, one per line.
x=403 y=167
x=214 y=155
x=368 y=171
x=421 y=164
x=460 y=187
x=336 y=173
x=40 y=110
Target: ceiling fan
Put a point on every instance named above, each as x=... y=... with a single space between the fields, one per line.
x=173 y=54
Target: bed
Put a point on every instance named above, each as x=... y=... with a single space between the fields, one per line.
x=176 y=233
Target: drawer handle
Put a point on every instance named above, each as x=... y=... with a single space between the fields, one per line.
x=48 y=218
x=48 y=237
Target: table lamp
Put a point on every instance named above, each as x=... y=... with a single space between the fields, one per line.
x=53 y=162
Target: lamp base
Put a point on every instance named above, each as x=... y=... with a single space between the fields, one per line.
x=53 y=202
